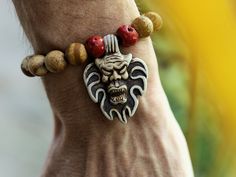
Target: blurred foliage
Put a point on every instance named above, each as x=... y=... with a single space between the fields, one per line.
x=200 y=96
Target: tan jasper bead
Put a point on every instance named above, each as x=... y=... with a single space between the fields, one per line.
x=25 y=68
x=36 y=65
x=55 y=61
x=156 y=20
x=143 y=26
x=76 y=54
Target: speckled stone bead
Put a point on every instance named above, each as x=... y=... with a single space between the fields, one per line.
x=156 y=20
x=36 y=65
x=143 y=26
x=76 y=54
x=55 y=61
x=25 y=68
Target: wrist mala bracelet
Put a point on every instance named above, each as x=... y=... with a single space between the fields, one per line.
x=112 y=79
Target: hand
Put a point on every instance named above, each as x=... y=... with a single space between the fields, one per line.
x=85 y=143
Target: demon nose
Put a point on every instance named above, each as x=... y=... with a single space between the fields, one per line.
x=115 y=76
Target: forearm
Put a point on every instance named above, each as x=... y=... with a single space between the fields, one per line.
x=56 y=23
x=150 y=145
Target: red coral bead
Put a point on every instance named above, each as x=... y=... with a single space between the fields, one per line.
x=95 y=46
x=128 y=35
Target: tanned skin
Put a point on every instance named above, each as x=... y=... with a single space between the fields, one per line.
x=86 y=144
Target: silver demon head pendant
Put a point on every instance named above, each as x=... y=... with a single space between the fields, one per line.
x=115 y=81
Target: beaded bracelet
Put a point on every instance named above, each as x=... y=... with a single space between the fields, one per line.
x=112 y=79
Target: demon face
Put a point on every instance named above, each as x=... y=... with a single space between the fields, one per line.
x=115 y=81
x=114 y=72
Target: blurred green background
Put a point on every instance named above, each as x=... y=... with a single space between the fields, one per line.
x=177 y=79
x=196 y=56
x=26 y=125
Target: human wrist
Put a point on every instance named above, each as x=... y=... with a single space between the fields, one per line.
x=82 y=136
x=104 y=23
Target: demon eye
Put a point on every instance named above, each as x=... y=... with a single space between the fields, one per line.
x=123 y=69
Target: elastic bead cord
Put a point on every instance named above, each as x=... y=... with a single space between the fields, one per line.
x=77 y=53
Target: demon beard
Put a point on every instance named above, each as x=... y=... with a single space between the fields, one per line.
x=136 y=86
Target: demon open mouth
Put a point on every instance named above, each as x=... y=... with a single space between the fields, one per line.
x=118 y=95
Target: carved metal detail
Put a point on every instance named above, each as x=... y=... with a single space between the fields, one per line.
x=115 y=81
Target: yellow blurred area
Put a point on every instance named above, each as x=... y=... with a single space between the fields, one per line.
x=208 y=28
